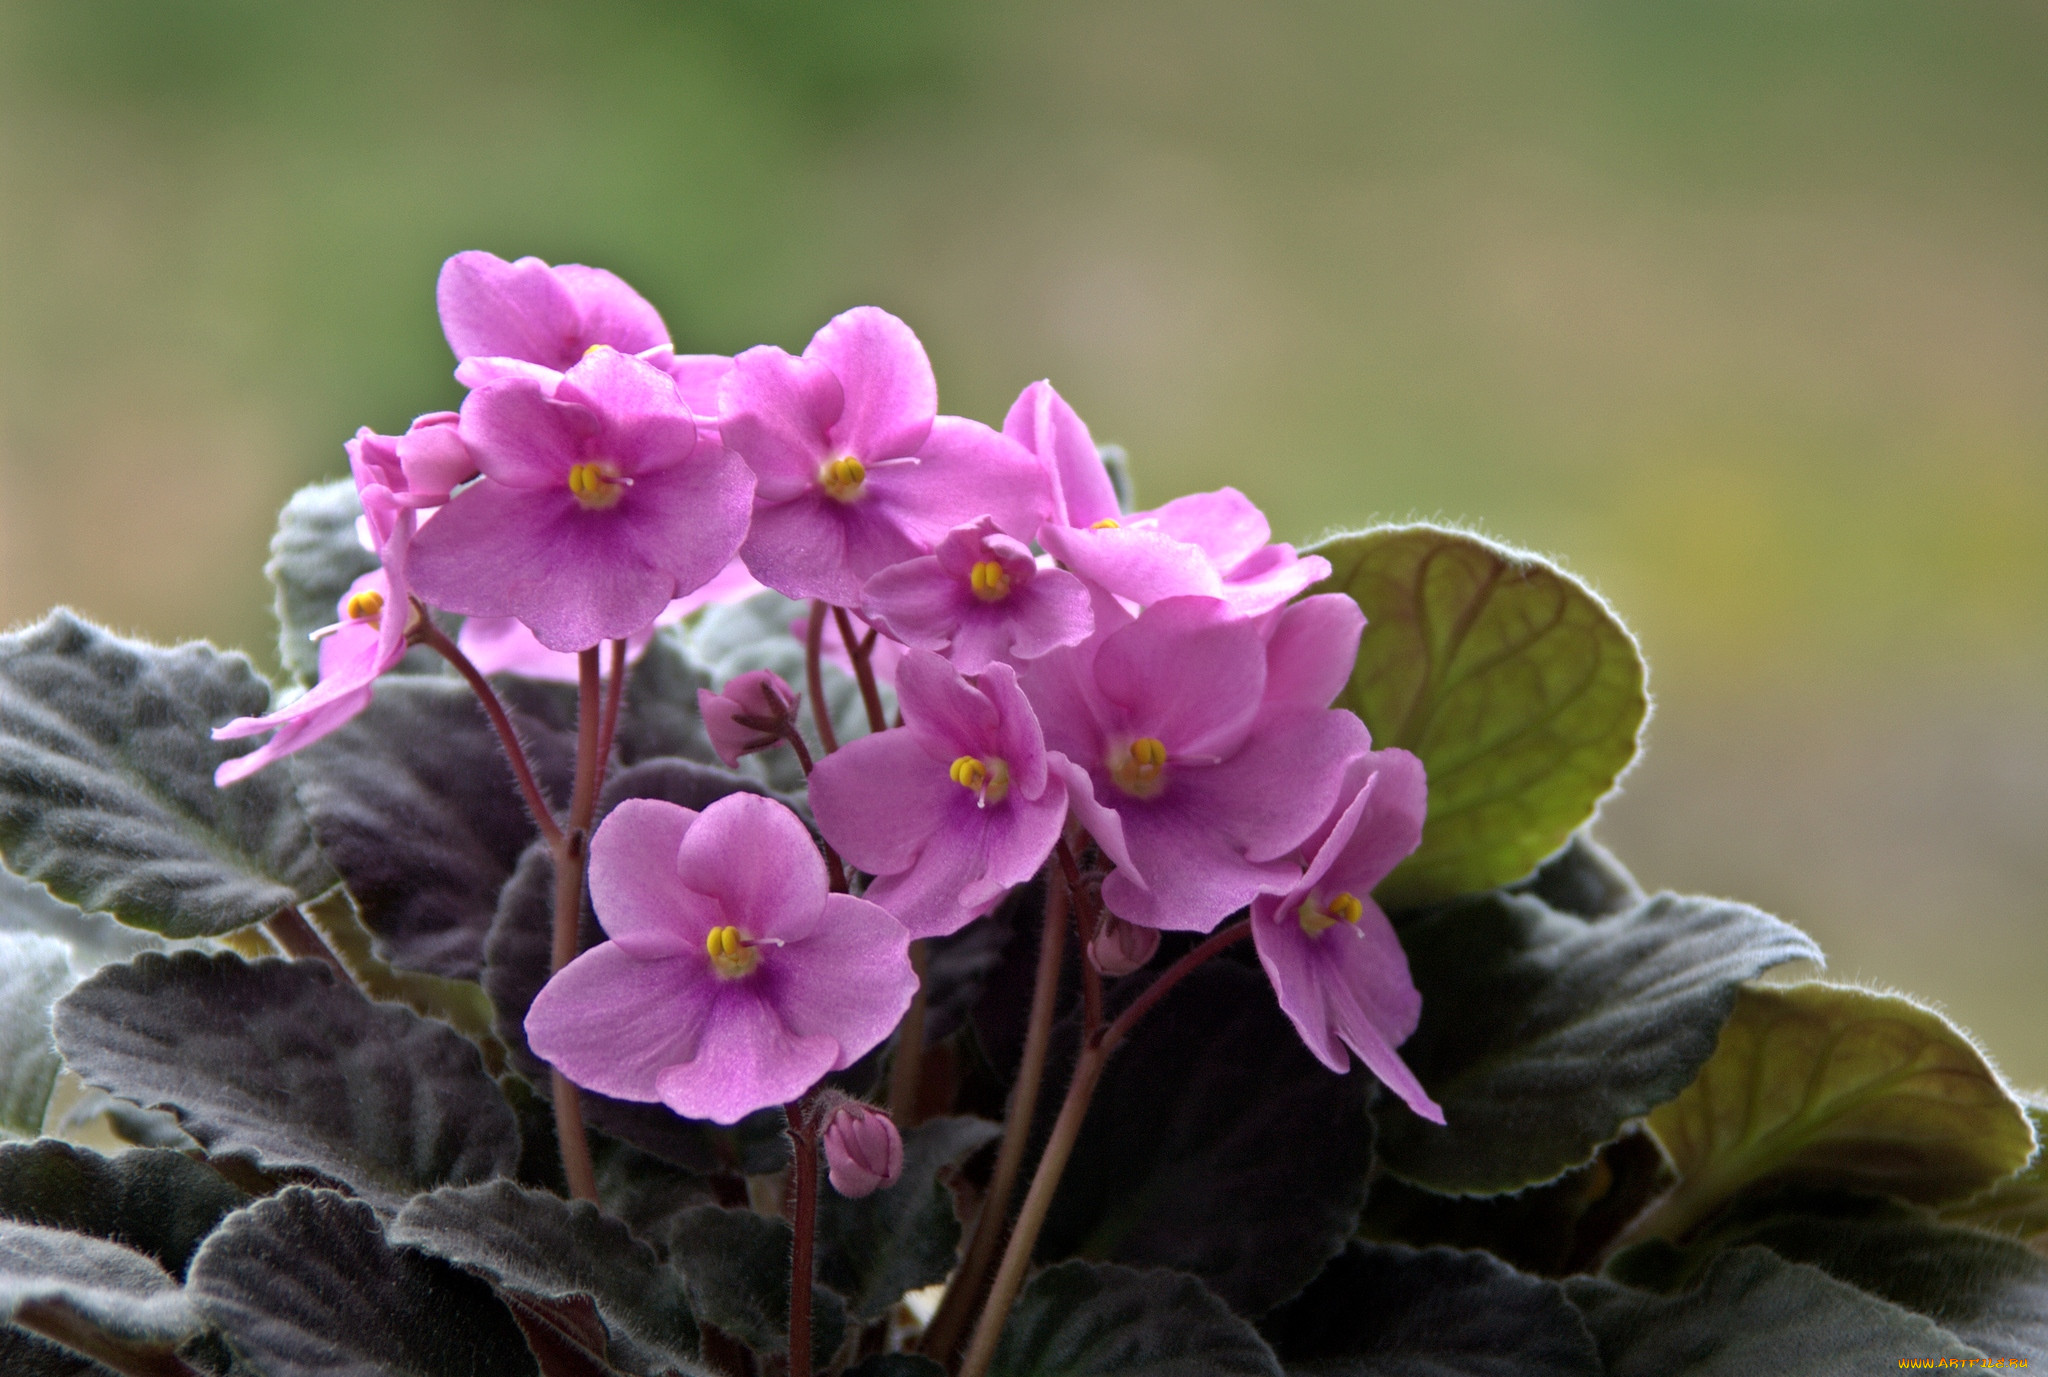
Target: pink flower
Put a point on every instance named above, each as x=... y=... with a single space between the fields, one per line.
x=979 y=599
x=598 y=505
x=863 y=1150
x=762 y=697
x=1329 y=950
x=528 y=312
x=1197 y=786
x=419 y=468
x=732 y=980
x=1211 y=545
x=1041 y=421
x=1119 y=948
x=950 y=809
x=368 y=641
x=856 y=469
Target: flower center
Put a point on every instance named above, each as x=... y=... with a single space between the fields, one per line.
x=1108 y=523
x=988 y=779
x=844 y=478
x=597 y=484
x=731 y=954
x=1342 y=908
x=991 y=582
x=1139 y=769
x=365 y=606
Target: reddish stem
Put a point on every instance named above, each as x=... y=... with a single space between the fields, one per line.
x=814 y=675
x=804 y=1226
x=437 y=640
x=857 y=650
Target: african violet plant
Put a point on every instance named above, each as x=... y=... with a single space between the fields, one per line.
x=1179 y=952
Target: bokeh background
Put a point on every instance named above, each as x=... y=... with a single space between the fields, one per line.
x=1741 y=310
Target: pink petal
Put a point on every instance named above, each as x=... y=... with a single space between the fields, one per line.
x=891 y=395
x=1041 y=421
x=634 y=888
x=518 y=310
x=756 y=858
x=610 y=312
x=747 y=1060
x=524 y=438
x=616 y=1025
x=645 y=425
x=1187 y=673
x=1312 y=649
x=912 y=787
x=850 y=980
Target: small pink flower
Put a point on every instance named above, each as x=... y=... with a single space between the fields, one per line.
x=528 y=312
x=733 y=978
x=863 y=1150
x=979 y=599
x=749 y=714
x=1211 y=545
x=1335 y=963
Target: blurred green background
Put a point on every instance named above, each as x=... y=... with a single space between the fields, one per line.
x=1739 y=309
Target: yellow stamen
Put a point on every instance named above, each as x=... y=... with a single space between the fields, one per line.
x=1108 y=523
x=597 y=484
x=987 y=778
x=1343 y=908
x=968 y=773
x=1139 y=769
x=731 y=956
x=365 y=606
x=990 y=580
x=844 y=478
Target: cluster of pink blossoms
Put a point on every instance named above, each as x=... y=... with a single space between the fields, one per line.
x=1153 y=682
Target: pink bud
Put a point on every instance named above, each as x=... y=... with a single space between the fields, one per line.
x=433 y=457
x=748 y=714
x=863 y=1149
x=1119 y=947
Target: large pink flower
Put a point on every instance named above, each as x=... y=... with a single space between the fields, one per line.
x=1197 y=784
x=856 y=469
x=732 y=980
x=1333 y=958
x=599 y=504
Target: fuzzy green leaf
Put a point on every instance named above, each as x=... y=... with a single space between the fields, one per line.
x=33 y=972
x=304 y=1284
x=1826 y=1085
x=1543 y=1034
x=736 y=1264
x=543 y=1245
x=873 y=1249
x=2018 y=1205
x=155 y=1201
x=314 y=557
x=1755 y=1312
x=106 y=783
x=1386 y=1311
x=97 y=1299
x=1518 y=688
x=1085 y=1319
x=281 y=1062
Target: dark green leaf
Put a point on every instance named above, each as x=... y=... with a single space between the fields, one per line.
x=155 y=1201
x=93 y=939
x=461 y=1004
x=1218 y=1145
x=660 y=715
x=1754 y=1312
x=2017 y=1205
x=736 y=1264
x=1085 y=1319
x=1584 y=880
x=33 y=972
x=873 y=1249
x=109 y=1287
x=106 y=783
x=545 y=1246
x=304 y=1285
x=1543 y=1034
x=896 y=1365
x=1386 y=1311
x=314 y=556
x=280 y=1062
x=1516 y=685
x=415 y=806
x=1830 y=1086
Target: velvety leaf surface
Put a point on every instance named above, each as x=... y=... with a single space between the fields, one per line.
x=314 y=557
x=1584 y=880
x=736 y=1265
x=1387 y=1311
x=415 y=805
x=93 y=939
x=1517 y=686
x=1085 y=1319
x=2018 y=1204
x=1755 y=1312
x=1542 y=1034
x=280 y=1062
x=110 y=1288
x=1827 y=1085
x=873 y=1249
x=304 y=1285
x=461 y=1004
x=106 y=783
x=158 y=1202
x=1217 y=1145
x=660 y=715
x=755 y=634
x=541 y=1244
x=33 y=972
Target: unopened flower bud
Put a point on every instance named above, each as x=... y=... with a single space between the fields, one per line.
x=1119 y=947
x=862 y=1149
x=749 y=714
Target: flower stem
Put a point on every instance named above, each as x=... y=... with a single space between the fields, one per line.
x=906 y=1070
x=437 y=640
x=298 y=939
x=1084 y=924
x=572 y=854
x=858 y=650
x=804 y=1227
x=814 y=675
x=795 y=739
x=1060 y=1146
x=614 y=695
x=949 y=1325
